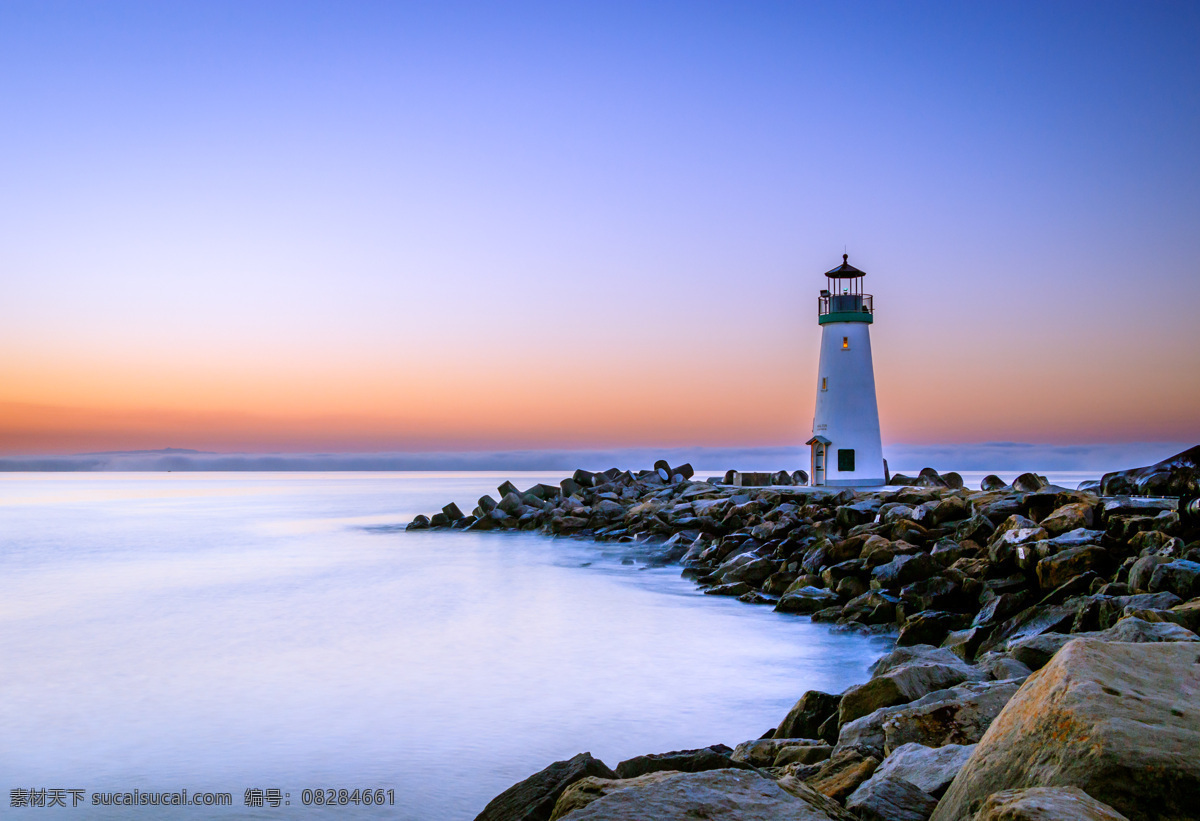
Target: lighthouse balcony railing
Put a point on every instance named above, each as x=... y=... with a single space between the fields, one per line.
x=845 y=308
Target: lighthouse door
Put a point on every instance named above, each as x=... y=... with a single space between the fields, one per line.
x=820 y=450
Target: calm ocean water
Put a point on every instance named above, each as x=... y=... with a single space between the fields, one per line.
x=224 y=632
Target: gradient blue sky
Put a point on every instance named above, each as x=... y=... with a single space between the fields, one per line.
x=244 y=226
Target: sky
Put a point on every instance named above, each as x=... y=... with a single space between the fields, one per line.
x=366 y=227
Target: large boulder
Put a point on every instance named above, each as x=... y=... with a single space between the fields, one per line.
x=1046 y=804
x=718 y=795
x=1120 y=721
x=533 y=799
x=884 y=798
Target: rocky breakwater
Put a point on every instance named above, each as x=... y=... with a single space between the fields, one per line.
x=1047 y=662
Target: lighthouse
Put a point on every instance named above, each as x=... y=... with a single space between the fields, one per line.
x=846 y=447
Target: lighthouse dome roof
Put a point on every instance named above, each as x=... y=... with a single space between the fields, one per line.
x=845 y=270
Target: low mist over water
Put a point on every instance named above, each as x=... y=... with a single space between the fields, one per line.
x=220 y=632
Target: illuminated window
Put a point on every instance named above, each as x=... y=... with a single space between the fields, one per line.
x=846 y=461
x=845 y=343
x=824 y=383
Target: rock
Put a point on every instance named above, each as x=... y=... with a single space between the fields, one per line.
x=1000 y=668
x=762 y=752
x=959 y=715
x=1046 y=804
x=871 y=607
x=1178 y=475
x=534 y=798
x=582 y=477
x=884 y=798
x=731 y=589
x=859 y=513
x=966 y=643
x=747 y=567
x=992 y=482
x=1069 y=517
x=1181 y=577
x=899 y=686
x=803 y=754
x=718 y=795
x=904 y=570
x=1141 y=631
x=716 y=757
x=929 y=627
x=805 y=600
x=807 y=715
x=843 y=772
x=929 y=768
x=586 y=790
x=1187 y=615
x=419 y=522
x=1143 y=571
x=1029 y=483
x=1120 y=721
x=1055 y=570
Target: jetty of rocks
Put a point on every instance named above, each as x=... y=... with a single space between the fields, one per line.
x=1046 y=666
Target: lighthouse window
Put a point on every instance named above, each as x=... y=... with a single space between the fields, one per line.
x=846 y=461
x=824 y=383
x=845 y=343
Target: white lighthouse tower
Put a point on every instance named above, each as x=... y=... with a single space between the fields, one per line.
x=846 y=447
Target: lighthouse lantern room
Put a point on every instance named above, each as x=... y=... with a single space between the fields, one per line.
x=846 y=447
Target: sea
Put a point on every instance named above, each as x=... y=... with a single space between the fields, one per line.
x=278 y=646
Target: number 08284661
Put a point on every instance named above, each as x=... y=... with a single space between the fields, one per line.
x=330 y=797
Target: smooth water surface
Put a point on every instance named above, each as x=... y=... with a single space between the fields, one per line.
x=220 y=632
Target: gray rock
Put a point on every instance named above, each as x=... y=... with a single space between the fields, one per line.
x=960 y=715
x=1143 y=570
x=762 y=752
x=929 y=627
x=533 y=799
x=716 y=757
x=904 y=570
x=841 y=775
x=586 y=790
x=1046 y=804
x=898 y=686
x=805 y=600
x=718 y=795
x=807 y=715
x=1069 y=517
x=929 y=768
x=1121 y=721
x=803 y=754
x=884 y=798
x=747 y=567
x=1181 y=577
x=1057 y=569
x=992 y=482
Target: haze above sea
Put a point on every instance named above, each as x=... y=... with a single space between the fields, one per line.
x=230 y=631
